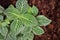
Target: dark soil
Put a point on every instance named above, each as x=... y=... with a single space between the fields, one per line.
x=49 y=8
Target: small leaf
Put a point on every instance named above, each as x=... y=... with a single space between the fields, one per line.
x=43 y=21
x=34 y=10
x=38 y=31
x=16 y=27
x=1 y=9
x=11 y=12
x=22 y=5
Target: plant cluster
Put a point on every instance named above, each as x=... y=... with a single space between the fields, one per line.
x=21 y=22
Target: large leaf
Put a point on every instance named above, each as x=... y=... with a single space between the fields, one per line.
x=1 y=9
x=22 y=6
x=10 y=12
x=16 y=27
x=43 y=21
x=37 y=30
x=29 y=20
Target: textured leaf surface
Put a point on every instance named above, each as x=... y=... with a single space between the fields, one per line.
x=16 y=27
x=22 y=6
x=38 y=31
x=43 y=21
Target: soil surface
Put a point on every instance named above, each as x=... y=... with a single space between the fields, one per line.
x=49 y=8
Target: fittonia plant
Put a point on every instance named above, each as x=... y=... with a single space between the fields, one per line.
x=21 y=22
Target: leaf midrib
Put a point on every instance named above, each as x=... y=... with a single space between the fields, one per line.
x=20 y=16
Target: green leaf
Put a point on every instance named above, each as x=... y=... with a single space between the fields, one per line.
x=43 y=21
x=37 y=30
x=10 y=12
x=1 y=9
x=33 y=10
x=1 y=18
x=16 y=27
x=29 y=20
x=22 y=6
